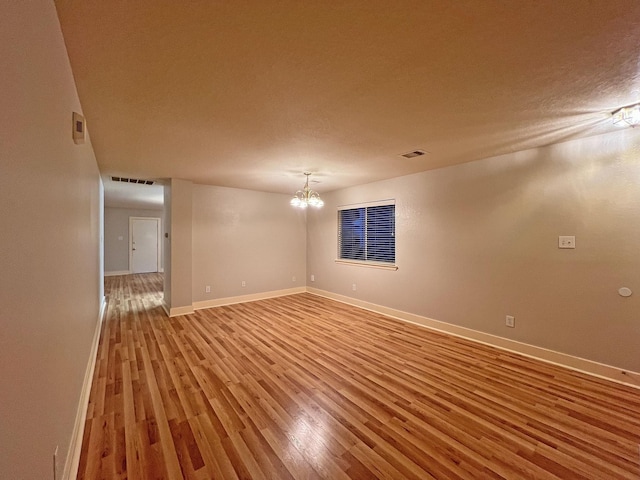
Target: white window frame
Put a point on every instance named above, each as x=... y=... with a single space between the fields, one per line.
x=365 y=263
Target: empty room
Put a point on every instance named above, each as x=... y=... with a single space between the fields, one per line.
x=339 y=240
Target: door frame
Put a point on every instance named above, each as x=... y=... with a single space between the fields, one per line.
x=158 y=238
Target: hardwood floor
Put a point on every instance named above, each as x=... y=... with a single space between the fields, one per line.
x=304 y=387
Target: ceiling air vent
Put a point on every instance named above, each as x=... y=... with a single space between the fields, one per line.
x=132 y=180
x=415 y=153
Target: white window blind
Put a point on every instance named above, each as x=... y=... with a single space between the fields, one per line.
x=367 y=233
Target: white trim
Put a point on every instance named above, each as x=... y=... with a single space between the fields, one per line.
x=217 y=302
x=72 y=461
x=608 y=372
x=117 y=272
x=177 y=311
x=364 y=263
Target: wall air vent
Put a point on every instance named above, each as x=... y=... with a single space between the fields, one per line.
x=415 y=153
x=132 y=180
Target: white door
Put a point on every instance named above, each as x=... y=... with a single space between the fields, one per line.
x=143 y=243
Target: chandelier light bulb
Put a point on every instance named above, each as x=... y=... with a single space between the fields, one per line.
x=305 y=197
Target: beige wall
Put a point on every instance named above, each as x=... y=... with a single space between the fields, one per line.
x=178 y=205
x=245 y=235
x=116 y=226
x=49 y=244
x=478 y=241
x=166 y=245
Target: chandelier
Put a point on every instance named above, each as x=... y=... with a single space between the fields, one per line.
x=305 y=197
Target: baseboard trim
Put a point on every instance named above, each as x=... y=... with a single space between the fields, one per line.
x=124 y=272
x=177 y=311
x=116 y=273
x=72 y=461
x=218 y=302
x=608 y=372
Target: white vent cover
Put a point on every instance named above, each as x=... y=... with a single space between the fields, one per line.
x=132 y=180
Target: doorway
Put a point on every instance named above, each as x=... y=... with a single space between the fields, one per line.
x=144 y=244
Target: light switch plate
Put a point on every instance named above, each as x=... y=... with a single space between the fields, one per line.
x=566 y=241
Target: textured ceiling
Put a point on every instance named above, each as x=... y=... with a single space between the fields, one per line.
x=251 y=94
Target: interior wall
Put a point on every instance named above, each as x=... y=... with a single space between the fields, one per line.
x=479 y=241
x=50 y=280
x=242 y=235
x=116 y=230
x=180 y=240
x=166 y=246
x=101 y=239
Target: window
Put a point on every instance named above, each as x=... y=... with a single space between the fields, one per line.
x=367 y=233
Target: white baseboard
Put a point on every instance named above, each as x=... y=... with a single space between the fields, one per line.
x=117 y=272
x=177 y=311
x=217 y=302
x=124 y=272
x=583 y=365
x=72 y=461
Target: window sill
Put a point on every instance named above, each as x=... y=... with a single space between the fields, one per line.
x=380 y=265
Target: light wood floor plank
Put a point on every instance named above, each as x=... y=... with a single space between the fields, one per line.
x=302 y=387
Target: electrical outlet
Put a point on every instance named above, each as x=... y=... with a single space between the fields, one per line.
x=510 y=321
x=207 y=289
x=566 y=241
x=293 y=279
x=353 y=287
x=313 y=278
x=244 y=284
